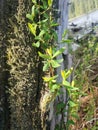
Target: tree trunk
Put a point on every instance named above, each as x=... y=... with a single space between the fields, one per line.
x=62 y=19
x=21 y=68
x=24 y=83
x=4 y=105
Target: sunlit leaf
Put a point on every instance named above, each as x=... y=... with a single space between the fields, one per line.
x=49 y=51
x=74 y=88
x=66 y=83
x=50 y=3
x=41 y=33
x=46 y=66
x=59 y=52
x=37 y=44
x=65 y=74
x=33 y=11
x=43 y=21
x=29 y=16
x=44 y=55
x=66 y=41
x=32 y=28
x=72 y=104
x=54 y=64
x=34 y=1
x=55 y=87
x=48 y=79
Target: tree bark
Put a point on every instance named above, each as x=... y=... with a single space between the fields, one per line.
x=62 y=19
x=21 y=69
x=23 y=82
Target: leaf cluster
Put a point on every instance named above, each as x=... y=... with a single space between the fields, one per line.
x=41 y=26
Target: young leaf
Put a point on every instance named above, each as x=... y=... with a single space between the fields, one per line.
x=29 y=16
x=49 y=51
x=55 y=87
x=50 y=3
x=34 y=1
x=33 y=11
x=54 y=64
x=66 y=83
x=58 y=52
x=65 y=75
x=48 y=79
x=46 y=66
x=72 y=83
x=44 y=56
x=66 y=41
x=37 y=44
x=72 y=104
x=32 y=28
x=68 y=72
x=41 y=33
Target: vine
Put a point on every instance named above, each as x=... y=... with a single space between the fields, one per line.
x=42 y=26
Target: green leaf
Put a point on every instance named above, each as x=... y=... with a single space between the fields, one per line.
x=45 y=6
x=54 y=24
x=66 y=41
x=65 y=74
x=70 y=122
x=44 y=56
x=46 y=66
x=32 y=28
x=29 y=16
x=37 y=44
x=34 y=1
x=74 y=88
x=65 y=33
x=50 y=3
x=48 y=79
x=49 y=51
x=55 y=87
x=41 y=33
x=72 y=104
x=68 y=86
x=55 y=36
x=60 y=61
x=59 y=52
x=33 y=11
x=40 y=36
x=75 y=115
x=43 y=21
x=66 y=83
x=54 y=64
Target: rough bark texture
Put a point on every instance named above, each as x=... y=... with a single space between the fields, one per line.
x=4 y=109
x=24 y=83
